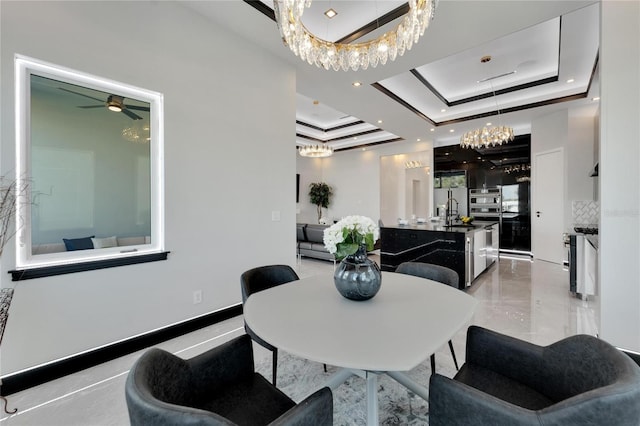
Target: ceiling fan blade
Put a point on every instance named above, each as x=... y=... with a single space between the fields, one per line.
x=137 y=108
x=91 y=106
x=82 y=94
x=130 y=114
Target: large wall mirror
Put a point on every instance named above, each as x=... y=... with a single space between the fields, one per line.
x=90 y=152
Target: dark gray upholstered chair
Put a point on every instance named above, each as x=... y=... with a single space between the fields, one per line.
x=580 y=380
x=437 y=273
x=218 y=387
x=262 y=278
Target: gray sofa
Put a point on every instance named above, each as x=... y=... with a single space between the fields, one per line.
x=310 y=242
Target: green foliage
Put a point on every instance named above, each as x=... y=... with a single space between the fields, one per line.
x=320 y=194
x=352 y=240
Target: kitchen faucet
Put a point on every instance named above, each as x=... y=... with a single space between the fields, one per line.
x=449 y=210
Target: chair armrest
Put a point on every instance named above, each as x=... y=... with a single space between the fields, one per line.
x=144 y=409
x=519 y=360
x=229 y=362
x=315 y=410
x=452 y=403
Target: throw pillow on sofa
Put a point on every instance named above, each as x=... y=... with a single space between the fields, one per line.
x=72 y=244
x=104 y=242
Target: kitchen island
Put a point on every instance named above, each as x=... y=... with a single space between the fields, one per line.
x=467 y=249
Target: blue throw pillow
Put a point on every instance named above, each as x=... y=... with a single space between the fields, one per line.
x=72 y=244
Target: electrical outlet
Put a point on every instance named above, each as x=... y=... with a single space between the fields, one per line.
x=197 y=297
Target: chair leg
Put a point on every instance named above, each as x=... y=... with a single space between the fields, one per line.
x=433 y=363
x=15 y=410
x=275 y=366
x=453 y=354
x=325 y=368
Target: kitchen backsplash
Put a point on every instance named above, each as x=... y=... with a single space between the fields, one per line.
x=585 y=213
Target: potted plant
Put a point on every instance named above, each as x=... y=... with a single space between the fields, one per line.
x=350 y=234
x=320 y=194
x=356 y=277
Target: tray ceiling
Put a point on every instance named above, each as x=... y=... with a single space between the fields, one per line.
x=542 y=63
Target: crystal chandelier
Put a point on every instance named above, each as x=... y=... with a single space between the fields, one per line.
x=137 y=133
x=517 y=168
x=485 y=137
x=325 y=54
x=316 y=151
x=414 y=164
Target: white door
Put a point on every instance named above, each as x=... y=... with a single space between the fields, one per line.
x=547 y=213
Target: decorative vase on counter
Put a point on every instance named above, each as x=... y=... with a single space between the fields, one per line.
x=357 y=277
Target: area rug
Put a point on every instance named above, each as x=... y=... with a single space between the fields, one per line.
x=397 y=405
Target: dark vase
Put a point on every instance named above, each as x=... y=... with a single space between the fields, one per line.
x=357 y=277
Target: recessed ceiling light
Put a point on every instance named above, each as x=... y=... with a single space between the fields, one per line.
x=479 y=158
x=570 y=80
x=356 y=84
x=432 y=129
x=443 y=110
x=330 y=13
x=364 y=149
x=451 y=131
x=447 y=153
x=418 y=140
x=597 y=98
x=489 y=124
x=355 y=138
x=379 y=121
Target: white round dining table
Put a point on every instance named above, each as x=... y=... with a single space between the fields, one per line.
x=408 y=320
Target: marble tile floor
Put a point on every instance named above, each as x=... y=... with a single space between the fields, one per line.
x=525 y=299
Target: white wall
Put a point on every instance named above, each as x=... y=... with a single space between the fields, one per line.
x=310 y=170
x=574 y=132
x=397 y=184
x=580 y=158
x=392 y=194
x=619 y=173
x=224 y=123
x=355 y=177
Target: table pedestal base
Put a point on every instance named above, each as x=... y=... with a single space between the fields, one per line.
x=341 y=376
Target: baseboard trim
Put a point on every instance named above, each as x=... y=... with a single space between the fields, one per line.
x=36 y=376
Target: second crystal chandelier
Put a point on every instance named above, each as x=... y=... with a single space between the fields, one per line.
x=327 y=55
x=486 y=137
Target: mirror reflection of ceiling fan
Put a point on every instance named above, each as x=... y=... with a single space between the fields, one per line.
x=113 y=103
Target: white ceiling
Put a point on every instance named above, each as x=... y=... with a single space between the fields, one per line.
x=540 y=40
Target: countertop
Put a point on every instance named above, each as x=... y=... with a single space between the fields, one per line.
x=439 y=226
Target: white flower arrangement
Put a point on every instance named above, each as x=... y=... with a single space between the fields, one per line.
x=344 y=237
